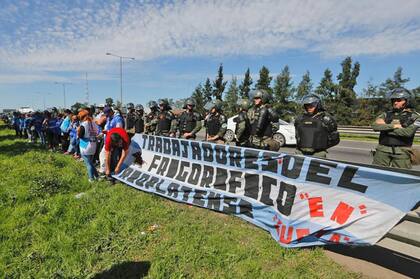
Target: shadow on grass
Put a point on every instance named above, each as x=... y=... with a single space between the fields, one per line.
x=125 y=270
x=381 y=256
x=19 y=148
x=8 y=137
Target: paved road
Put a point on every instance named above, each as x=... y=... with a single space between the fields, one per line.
x=347 y=150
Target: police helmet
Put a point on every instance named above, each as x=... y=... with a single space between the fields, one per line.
x=153 y=105
x=189 y=102
x=163 y=102
x=312 y=99
x=243 y=104
x=130 y=106
x=217 y=104
x=402 y=93
x=261 y=94
x=139 y=107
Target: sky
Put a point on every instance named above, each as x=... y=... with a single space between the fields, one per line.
x=178 y=44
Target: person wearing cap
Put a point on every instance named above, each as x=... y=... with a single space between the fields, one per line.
x=316 y=130
x=189 y=123
x=139 y=119
x=216 y=123
x=87 y=133
x=114 y=119
x=243 y=125
x=397 y=128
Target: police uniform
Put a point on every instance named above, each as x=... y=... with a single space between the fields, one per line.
x=166 y=123
x=394 y=149
x=243 y=129
x=315 y=134
x=139 y=123
x=189 y=122
x=261 y=128
x=216 y=125
x=151 y=122
x=129 y=122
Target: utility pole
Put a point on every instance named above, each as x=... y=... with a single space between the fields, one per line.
x=87 y=89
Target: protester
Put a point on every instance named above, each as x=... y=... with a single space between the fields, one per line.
x=116 y=147
x=87 y=133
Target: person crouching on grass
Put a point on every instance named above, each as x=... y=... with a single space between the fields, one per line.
x=117 y=143
x=87 y=133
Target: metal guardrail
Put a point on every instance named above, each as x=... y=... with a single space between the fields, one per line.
x=404 y=238
x=361 y=130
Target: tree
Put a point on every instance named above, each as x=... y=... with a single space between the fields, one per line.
x=231 y=98
x=207 y=91
x=219 y=85
x=344 y=91
x=265 y=80
x=305 y=86
x=109 y=101
x=283 y=91
x=199 y=98
x=391 y=83
x=325 y=89
x=245 y=86
x=77 y=106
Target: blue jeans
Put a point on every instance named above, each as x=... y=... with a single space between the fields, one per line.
x=92 y=173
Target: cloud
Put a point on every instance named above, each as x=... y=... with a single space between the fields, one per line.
x=58 y=37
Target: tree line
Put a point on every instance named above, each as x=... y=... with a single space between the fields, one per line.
x=338 y=94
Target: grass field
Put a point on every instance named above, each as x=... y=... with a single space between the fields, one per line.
x=49 y=230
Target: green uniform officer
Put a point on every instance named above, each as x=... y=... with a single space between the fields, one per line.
x=167 y=124
x=189 y=123
x=243 y=126
x=151 y=120
x=316 y=130
x=397 y=129
x=216 y=123
x=261 y=122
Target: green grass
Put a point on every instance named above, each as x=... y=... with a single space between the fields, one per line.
x=46 y=232
x=372 y=138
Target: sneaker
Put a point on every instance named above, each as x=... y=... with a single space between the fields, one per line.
x=66 y=153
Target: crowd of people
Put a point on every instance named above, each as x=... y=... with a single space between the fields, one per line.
x=101 y=135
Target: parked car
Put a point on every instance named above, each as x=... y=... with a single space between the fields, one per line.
x=285 y=135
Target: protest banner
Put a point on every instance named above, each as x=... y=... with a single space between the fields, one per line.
x=301 y=201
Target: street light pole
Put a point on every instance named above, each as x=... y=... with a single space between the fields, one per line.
x=64 y=91
x=121 y=73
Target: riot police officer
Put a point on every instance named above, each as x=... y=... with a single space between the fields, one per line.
x=129 y=120
x=261 y=122
x=316 y=130
x=243 y=126
x=139 y=119
x=216 y=123
x=189 y=121
x=397 y=129
x=166 y=125
x=151 y=118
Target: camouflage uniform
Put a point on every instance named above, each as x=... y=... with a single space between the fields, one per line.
x=243 y=125
x=151 y=120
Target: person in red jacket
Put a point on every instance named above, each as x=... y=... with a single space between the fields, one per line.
x=117 y=143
